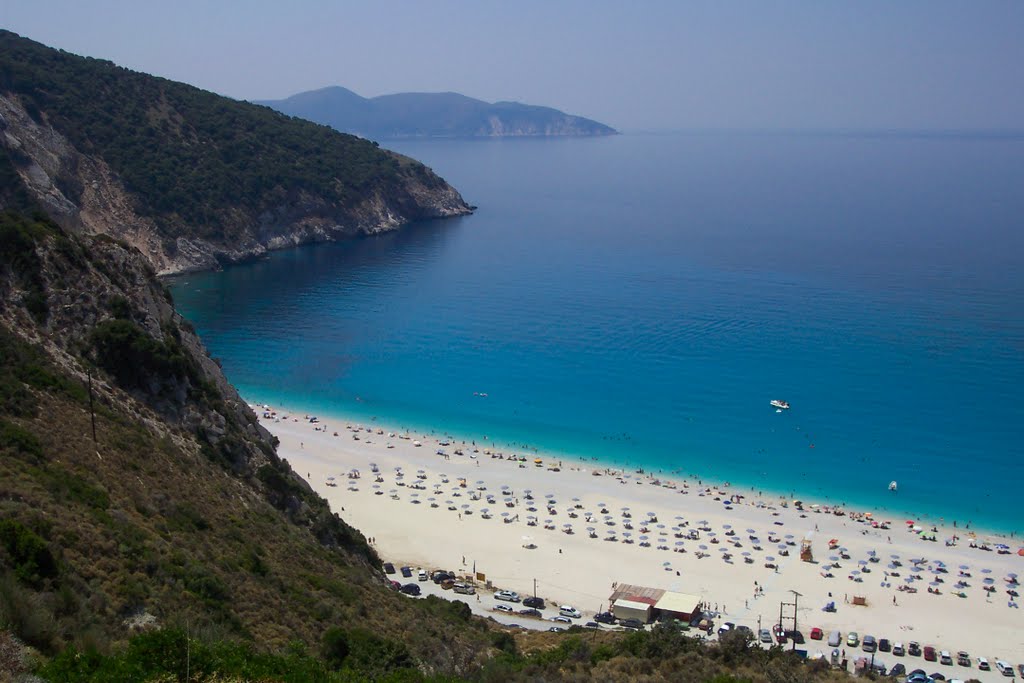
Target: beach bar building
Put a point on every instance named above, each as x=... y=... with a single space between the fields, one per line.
x=624 y=608
x=641 y=602
x=682 y=606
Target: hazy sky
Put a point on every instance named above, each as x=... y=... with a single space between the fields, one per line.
x=635 y=65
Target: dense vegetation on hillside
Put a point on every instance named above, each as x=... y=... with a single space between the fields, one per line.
x=191 y=157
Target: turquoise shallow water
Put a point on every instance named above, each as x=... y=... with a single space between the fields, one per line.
x=641 y=299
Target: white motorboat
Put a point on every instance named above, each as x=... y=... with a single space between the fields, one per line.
x=781 y=405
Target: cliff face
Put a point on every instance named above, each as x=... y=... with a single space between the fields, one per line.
x=191 y=179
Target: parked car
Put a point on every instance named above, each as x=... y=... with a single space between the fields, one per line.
x=884 y=645
x=765 y=636
x=983 y=664
x=1005 y=668
x=464 y=588
x=535 y=602
x=930 y=654
x=937 y=676
x=869 y=644
x=853 y=639
x=510 y=596
x=632 y=623
x=556 y=629
x=726 y=627
x=898 y=669
x=817 y=633
x=963 y=659
x=396 y=586
x=442 y=576
x=604 y=618
x=389 y=568
x=835 y=638
x=569 y=611
x=914 y=649
x=503 y=608
x=591 y=625
x=780 y=633
x=406 y=572
x=562 y=619
x=411 y=589
x=422 y=575
x=918 y=677
x=530 y=613
x=898 y=649
x=945 y=657
x=1020 y=668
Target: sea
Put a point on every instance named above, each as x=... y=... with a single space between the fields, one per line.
x=639 y=300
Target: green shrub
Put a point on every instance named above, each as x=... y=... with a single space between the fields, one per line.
x=19 y=440
x=29 y=554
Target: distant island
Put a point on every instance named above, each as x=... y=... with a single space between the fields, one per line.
x=447 y=114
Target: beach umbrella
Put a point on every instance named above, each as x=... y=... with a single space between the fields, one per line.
x=652 y=514
x=712 y=533
x=393 y=491
x=745 y=553
x=989 y=581
x=505 y=487
x=504 y=514
x=531 y=516
x=330 y=478
x=660 y=526
x=781 y=546
x=791 y=536
x=724 y=526
x=703 y=547
x=862 y=562
x=1012 y=576
x=465 y=506
x=679 y=544
x=751 y=531
x=935 y=583
x=549 y=521
x=591 y=529
x=833 y=558
x=770 y=558
x=376 y=486
x=892 y=565
x=666 y=564
x=986 y=570
x=643 y=538
x=909 y=579
x=894 y=556
x=964 y=566
x=680 y=518
x=575 y=500
x=431 y=499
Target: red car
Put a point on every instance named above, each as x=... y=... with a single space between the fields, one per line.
x=816 y=633
x=929 y=653
x=780 y=633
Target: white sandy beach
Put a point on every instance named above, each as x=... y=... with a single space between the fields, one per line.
x=580 y=570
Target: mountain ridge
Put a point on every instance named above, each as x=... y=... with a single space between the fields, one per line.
x=427 y=114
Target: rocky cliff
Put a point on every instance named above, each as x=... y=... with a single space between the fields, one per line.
x=189 y=178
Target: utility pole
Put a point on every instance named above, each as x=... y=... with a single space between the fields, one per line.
x=535 y=588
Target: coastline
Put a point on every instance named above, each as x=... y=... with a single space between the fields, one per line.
x=579 y=569
x=766 y=491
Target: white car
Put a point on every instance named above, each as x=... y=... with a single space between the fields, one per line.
x=422 y=576
x=509 y=596
x=502 y=608
x=1005 y=668
x=983 y=664
x=569 y=611
x=898 y=650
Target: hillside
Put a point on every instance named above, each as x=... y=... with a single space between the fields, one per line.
x=190 y=178
x=447 y=114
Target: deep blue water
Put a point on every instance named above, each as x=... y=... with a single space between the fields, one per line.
x=641 y=298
